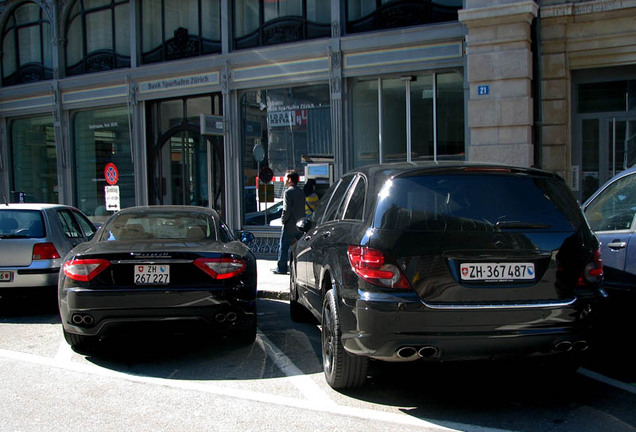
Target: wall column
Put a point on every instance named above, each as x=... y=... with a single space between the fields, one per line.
x=499 y=70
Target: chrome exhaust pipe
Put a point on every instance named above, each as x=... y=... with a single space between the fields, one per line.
x=231 y=316
x=83 y=320
x=406 y=352
x=580 y=346
x=219 y=317
x=428 y=351
x=563 y=346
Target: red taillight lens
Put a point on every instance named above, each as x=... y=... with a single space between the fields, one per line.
x=221 y=268
x=593 y=272
x=84 y=270
x=44 y=251
x=371 y=265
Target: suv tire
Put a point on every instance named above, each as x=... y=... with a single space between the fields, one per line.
x=342 y=370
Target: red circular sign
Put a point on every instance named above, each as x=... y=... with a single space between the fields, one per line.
x=111 y=174
x=266 y=175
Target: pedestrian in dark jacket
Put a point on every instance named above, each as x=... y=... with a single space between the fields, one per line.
x=293 y=211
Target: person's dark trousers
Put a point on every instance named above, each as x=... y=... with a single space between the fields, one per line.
x=286 y=239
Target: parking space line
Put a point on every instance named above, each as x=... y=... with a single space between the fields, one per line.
x=302 y=382
x=351 y=412
x=608 y=381
x=64 y=352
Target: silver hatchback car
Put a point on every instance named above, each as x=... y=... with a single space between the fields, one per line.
x=33 y=240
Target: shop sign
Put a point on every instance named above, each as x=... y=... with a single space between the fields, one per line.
x=111 y=193
x=287 y=118
x=179 y=83
x=211 y=125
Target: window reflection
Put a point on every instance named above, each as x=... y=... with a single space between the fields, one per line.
x=34 y=159
x=98 y=35
x=282 y=129
x=437 y=96
x=26 y=46
x=264 y=22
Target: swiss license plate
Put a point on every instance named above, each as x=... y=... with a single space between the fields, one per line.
x=6 y=276
x=152 y=274
x=497 y=271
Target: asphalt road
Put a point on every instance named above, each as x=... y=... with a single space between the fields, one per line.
x=165 y=384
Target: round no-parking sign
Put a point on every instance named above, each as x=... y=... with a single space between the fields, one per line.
x=111 y=174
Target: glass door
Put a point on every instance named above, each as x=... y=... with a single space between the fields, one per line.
x=609 y=147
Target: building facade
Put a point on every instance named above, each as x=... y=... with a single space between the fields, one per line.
x=197 y=102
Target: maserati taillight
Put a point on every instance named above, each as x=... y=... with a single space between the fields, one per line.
x=221 y=268
x=372 y=266
x=84 y=270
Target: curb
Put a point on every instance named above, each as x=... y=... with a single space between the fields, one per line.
x=273 y=295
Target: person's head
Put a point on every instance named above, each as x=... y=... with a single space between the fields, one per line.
x=310 y=187
x=291 y=178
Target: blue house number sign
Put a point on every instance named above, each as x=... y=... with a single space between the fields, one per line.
x=483 y=90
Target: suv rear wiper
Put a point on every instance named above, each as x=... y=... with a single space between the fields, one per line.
x=520 y=225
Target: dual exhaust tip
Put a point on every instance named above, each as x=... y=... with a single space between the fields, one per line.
x=87 y=320
x=429 y=351
x=409 y=352
x=84 y=320
x=229 y=317
x=567 y=346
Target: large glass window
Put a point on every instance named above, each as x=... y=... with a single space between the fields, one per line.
x=26 y=46
x=406 y=119
x=185 y=167
x=368 y=15
x=101 y=137
x=265 y=22
x=33 y=159
x=173 y=30
x=98 y=36
x=282 y=129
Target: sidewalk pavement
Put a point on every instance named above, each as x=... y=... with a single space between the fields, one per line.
x=270 y=285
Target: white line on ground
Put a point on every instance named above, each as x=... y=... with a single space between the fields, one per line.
x=266 y=398
x=301 y=381
x=609 y=381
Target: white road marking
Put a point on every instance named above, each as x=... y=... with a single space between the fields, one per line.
x=301 y=381
x=266 y=398
x=608 y=381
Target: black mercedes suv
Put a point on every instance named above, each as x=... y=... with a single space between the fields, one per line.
x=446 y=261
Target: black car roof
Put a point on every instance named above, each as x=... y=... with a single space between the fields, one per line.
x=380 y=172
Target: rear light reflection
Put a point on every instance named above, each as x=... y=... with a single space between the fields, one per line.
x=221 y=268
x=44 y=251
x=84 y=270
x=593 y=272
x=370 y=265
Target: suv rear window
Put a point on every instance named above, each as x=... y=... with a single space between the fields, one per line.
x=21 y=223
x=476 y=202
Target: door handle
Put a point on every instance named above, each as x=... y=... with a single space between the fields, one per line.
x=616 y=244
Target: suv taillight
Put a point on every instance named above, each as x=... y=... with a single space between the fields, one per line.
x=84 y=270
x=370 y=265
x=593 y=272
x=44 y=251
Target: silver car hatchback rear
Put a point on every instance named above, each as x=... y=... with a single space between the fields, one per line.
x=33 y=240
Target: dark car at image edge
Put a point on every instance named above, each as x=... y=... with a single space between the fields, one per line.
x=446 y=262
